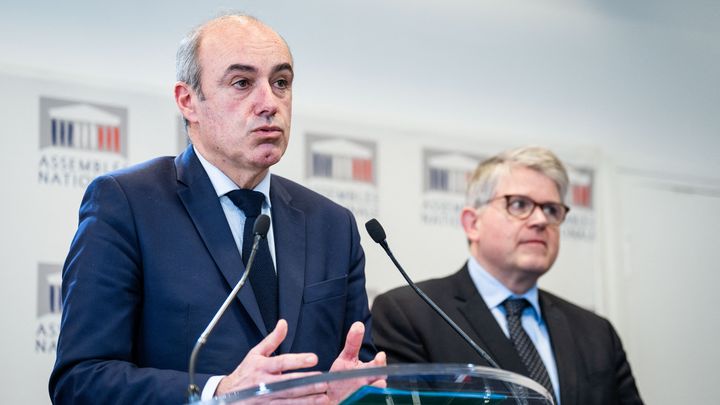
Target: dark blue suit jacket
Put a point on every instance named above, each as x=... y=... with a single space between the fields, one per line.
x=152 y=261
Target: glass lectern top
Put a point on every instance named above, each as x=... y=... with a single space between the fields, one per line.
x=412 y=384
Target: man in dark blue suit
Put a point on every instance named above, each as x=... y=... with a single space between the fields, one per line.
x=158 y=248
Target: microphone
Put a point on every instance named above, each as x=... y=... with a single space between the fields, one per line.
x=260 y=230
x=377 y=233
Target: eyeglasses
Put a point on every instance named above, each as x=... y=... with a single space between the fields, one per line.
x=522 y=207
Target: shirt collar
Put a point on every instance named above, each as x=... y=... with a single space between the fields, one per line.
x=494 y=292
x=222 y=183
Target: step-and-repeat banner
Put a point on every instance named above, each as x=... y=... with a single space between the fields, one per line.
x=59 y=135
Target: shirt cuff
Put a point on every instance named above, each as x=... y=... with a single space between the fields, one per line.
x=208 y=391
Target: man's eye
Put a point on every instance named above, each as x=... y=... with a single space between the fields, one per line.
x=519 y=203
x=282 y=83
x=551 y=210
x=241 y=83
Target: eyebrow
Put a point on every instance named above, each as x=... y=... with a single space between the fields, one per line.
x=283 y=66
x=242 y=68
x=252 y=69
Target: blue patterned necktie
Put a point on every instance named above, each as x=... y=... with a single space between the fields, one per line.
x=524 y=346
x=262 y=276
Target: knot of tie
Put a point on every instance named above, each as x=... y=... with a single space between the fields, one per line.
x=249 y=201
x=515 y=306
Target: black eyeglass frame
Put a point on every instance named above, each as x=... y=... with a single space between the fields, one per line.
x=559 y=207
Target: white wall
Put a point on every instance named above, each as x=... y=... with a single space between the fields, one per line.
x=635 y=83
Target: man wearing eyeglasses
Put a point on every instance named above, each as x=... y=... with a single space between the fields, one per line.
x=515 y=206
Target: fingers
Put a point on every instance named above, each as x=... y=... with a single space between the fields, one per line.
x=284 y=362
x=304 y=394
x=297 y=374
x=319 y=398
x=380 y=360
x=302 y=391
x=290 y=361
x=353 y=342
x=380 y=383
x=272 y=341
x=258 y=365
x=258 y=369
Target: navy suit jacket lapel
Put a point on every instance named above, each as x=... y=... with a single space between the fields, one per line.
x=563 y=345
x=290 y=249
x=489 y=334
x=202 y=204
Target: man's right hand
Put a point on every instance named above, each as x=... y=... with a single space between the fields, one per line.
x=259 y=366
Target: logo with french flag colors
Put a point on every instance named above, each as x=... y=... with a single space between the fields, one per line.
x=80 y=140
x=581 y=186
x=83 y=126
x=580 y=222
x=446 y=174
x=342 y=159
x=344 y=170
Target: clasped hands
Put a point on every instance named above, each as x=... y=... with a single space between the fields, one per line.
x=259 y=366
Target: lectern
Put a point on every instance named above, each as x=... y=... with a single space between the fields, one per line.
x=412 y=384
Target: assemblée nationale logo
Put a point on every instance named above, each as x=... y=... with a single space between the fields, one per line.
x=49 y=307
x=343 y=170
x=580 y=222
x=79 y=141
x=445 y=177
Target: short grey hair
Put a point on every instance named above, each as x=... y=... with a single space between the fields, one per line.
x=187 y=65
x=482 y=184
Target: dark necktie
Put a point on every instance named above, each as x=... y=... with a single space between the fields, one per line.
x=262 y=275
x=523 y=344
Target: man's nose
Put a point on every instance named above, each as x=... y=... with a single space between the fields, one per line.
x=538 y=217
x=265 y=100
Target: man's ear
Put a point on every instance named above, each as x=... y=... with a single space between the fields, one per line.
x=185 y=100
x=469 y=219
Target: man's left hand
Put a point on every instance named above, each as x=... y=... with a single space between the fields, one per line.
x=349 y=360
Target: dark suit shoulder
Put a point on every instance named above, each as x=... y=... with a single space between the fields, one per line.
x=435 y=288
x=151 y=165
x=410 y=331
x=151 y=182
x=442 y=285
x=145 y=171
x=141 y=177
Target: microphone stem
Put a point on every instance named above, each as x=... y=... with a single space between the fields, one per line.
x=193 y=389
x=439 y=311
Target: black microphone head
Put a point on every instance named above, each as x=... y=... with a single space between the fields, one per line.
x=262 y=225
x=376 y=231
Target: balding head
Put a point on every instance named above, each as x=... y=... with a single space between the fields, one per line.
x=188 y=68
